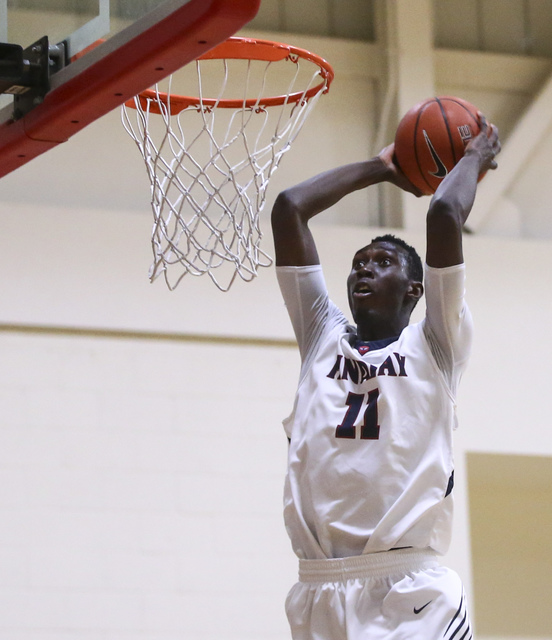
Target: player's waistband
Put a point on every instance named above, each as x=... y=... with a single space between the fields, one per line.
x=370 y=565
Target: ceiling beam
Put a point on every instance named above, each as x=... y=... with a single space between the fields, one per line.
x=516 y=152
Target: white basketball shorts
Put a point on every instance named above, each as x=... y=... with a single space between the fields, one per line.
x=395 y=595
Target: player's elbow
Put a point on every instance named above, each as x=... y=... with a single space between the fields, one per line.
x=445 y=211
x=284 y=209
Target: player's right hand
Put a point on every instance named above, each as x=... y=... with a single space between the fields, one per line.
x=396 y=176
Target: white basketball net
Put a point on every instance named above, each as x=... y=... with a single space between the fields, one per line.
x=209 y=167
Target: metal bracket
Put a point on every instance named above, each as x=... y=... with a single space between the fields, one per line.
x=25 y=73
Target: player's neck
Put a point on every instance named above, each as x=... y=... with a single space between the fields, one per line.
x=373 y=329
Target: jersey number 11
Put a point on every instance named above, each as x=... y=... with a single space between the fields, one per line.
x=369 y=429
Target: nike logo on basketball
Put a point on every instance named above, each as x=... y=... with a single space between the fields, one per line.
x=441 y=170
x=417 y=611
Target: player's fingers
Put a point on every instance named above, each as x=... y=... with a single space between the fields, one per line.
x=482 y=122
x=495 y=138
x=388 y=154
x=492 y=130
x=495 y=150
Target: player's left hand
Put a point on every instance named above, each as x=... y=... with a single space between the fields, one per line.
x=486 y=144
x=396 y=176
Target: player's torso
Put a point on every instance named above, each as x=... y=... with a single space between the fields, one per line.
x=370 y=452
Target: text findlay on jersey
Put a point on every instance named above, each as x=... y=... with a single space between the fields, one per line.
x=358 y=371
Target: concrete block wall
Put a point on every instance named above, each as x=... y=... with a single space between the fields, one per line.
x=136 y=502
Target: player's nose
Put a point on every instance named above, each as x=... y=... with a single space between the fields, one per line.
x=367 y=268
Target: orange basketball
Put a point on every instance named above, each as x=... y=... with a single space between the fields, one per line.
x=431 y=139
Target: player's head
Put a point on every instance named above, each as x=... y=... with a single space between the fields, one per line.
x=385 y=279
x=414 y=262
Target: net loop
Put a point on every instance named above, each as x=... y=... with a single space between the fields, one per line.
x=210 y=159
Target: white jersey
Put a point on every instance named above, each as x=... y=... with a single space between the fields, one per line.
x=370 y=456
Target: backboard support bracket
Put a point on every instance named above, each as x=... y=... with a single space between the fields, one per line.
x=25 y=73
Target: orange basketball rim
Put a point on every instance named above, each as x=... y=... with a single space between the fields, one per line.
x=245 y=49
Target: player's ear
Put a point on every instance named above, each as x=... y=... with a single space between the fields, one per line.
x=415 y=291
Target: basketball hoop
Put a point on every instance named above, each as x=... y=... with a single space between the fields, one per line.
x=209 y=159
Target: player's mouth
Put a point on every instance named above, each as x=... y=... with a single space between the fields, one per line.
x=362 y=289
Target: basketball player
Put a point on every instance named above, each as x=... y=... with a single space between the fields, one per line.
x=368 y=495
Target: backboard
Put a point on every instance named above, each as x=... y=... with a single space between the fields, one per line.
x=81 y=80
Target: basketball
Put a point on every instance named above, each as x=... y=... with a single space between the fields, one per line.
x=431 y=139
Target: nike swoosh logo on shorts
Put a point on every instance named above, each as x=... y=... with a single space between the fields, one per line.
x=441 y=170
x=417 y=611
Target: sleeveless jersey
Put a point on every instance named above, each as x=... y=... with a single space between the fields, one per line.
x=370 y=463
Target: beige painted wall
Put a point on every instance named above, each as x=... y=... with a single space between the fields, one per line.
x=178 y=441
x=142 y=474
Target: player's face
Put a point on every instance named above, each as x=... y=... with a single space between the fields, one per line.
x=379 y=281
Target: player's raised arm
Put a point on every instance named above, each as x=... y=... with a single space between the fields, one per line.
x=454 y=198
x=294 y=207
